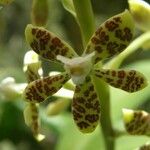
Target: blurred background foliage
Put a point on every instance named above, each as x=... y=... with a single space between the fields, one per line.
x=60 y=131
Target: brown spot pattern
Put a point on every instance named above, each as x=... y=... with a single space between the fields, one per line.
x=34 y=117
x=47 y=45
x=130 y=81
x=39 y=90
x=139 y=125
x=31 y=75
x=111 y=25
x=86 y=106
x=124 y=35
x=111 y=38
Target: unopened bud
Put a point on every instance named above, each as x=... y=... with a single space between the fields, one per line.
x=5 y=2
x=54 y=108
x=136 y=122
x=140 y=11
x=39 y=15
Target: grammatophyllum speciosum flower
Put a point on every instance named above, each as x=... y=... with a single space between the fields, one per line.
x=111 y=38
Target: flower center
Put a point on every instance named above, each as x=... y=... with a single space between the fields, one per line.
x=78 y=67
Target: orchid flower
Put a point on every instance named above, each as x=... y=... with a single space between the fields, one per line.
x=137 y=122
x=111 y=38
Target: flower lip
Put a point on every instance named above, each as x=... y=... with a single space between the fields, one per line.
x=78 y=67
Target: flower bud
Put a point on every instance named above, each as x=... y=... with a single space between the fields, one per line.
x=39 y=15
x=140 y=11
x=54 y=108
x=136 y=122
x=5 y=2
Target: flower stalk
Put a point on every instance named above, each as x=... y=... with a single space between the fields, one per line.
x=85 y=19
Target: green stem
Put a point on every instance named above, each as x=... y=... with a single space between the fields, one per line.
x=85 y=18
x=137 y=43
x=104 y=95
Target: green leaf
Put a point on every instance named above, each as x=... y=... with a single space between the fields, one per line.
x=68 y=5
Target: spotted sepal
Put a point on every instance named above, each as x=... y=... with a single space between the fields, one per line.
x=31 y=117
x=32 y=72
x=46 y=44
x=112 y=37
x=136 y=122
x=86 y=107
x=130 y=81
x=39 y=90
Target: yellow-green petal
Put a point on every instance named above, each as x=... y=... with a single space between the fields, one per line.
x=86 y=107
x=130 y=81
x=31 y=117
x=136 y=122
x=140 y=11
x=39 y=90
x=46 y=44
x=112 y=37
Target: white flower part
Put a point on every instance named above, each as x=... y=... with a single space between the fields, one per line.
x=30 y=57
x=78 y=67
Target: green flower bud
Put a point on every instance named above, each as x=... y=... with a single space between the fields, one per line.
x=39 y=13
x=5 y=2
x=54 y=108
x=140 y=11
x=136 y=122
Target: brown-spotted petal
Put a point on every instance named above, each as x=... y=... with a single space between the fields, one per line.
x=39 y=90
x=130 y=81
x=136 y=122
x=112 y=37
x=31 y=116
x=86 y=107
x=47 y=44
x=32 y=71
